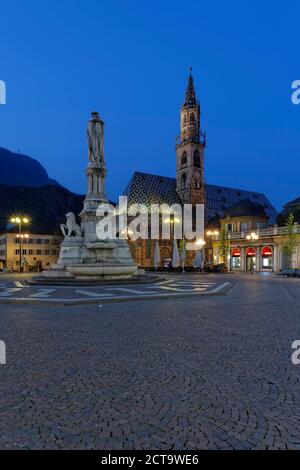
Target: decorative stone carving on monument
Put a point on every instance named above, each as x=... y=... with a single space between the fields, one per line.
x=71 y=226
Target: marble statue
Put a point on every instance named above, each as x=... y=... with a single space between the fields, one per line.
x=95 y=135
x=82 y=254
x=71 y=226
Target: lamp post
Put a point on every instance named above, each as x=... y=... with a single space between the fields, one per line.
x=172 y=220
x=201 y=244
x=253 y=236
x=20 y=221
x=211 y=234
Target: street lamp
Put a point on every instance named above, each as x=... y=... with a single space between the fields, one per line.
x=172 y=221
x=211 y=234
x=127 y=232
x=200 y=242
x=253 y=236
x=20 y=220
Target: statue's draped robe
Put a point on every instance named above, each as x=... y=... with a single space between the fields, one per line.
x=95 y=141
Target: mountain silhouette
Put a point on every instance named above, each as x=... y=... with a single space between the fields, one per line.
x=26 y=189
x=45 y=207
x=17 y=169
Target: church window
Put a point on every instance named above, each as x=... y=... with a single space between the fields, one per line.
x=192 y=117
x=197 y=183
x=184 y=159
x=183 y=181
x=197 y=161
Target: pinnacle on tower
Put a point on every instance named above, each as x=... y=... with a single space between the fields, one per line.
x=190 y=96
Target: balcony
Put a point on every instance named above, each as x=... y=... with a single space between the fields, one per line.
x=197 y=138
x=263 y=232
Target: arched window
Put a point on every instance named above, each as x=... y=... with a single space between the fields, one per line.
x=183 y=181
x=197 y=183
x=192 y=117
x=184 y=159
x=197 y=161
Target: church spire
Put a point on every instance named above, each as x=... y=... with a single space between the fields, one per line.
x=190 y=95
x=190 y=150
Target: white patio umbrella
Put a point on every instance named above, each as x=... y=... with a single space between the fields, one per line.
x=175 y=255
x=198 y=260
x=156 y=257
x=202 y=259
x=183 y=255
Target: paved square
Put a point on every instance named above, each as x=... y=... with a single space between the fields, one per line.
x=182 y=373
x=177 y=285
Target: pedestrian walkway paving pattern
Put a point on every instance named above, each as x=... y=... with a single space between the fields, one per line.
x=20 y=290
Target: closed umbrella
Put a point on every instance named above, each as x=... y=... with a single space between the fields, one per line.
x=198 y=260
x=183 y=255
x=156 y=258
x=175 y=255
x=202 y=259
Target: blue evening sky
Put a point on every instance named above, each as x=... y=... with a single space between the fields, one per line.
x=129 y=60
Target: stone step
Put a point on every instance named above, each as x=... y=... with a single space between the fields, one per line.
x=136 y=279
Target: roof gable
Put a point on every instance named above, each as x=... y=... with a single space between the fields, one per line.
x=294 y=202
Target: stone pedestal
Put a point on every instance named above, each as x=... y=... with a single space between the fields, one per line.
x=70 y=251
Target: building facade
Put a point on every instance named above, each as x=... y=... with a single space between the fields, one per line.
x=190 y=151
x=253 y=244
x=38 y=252
x=188 y=187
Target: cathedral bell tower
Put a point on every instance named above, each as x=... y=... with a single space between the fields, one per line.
x=190 y=150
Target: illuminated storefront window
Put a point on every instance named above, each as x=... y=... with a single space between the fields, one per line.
x=250 y=259
x=267 y=257
x=236 y=258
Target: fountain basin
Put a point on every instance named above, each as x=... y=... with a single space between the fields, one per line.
x=100 y=270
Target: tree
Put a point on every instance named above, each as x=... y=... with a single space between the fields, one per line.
x=295 y=211
x=224 y=243
x=290 y=244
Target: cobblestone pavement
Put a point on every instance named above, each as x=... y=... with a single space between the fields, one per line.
x=15 y=289
x=202 y=372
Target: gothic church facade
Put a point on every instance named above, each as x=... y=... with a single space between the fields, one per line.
x=188 y=187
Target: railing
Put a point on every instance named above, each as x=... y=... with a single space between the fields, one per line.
x=198 y=138
x=264 y=232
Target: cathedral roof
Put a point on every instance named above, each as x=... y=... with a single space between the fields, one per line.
x=245 y=207
x=145 y=188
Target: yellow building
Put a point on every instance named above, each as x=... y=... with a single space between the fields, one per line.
x=253 y=245
x=37 y=251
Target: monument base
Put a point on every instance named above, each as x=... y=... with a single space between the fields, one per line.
x=101 y=270
x=56 y=272
x=70 y=251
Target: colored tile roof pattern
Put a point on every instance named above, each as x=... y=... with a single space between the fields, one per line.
x=145 y=188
